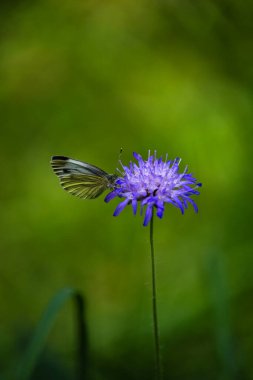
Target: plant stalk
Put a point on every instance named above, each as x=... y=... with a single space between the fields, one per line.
x=154 y=306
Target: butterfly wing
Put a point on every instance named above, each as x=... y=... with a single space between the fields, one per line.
x=64 y=165
x=84 y=186
x=80 y=178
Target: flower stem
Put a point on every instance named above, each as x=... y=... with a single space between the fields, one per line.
x=154 y=307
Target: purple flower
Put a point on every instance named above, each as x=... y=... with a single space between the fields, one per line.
x=153 y=183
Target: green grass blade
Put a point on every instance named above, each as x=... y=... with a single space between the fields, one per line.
x=44 y=327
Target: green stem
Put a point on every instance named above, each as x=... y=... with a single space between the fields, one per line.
x=154 y=308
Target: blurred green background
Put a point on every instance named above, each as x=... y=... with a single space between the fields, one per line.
x=83 y=79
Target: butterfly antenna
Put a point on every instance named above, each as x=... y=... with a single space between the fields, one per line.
x=119 y=160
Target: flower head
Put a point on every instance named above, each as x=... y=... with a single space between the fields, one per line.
x=153 y=183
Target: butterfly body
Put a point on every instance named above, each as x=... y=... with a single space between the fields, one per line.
x=80 y=178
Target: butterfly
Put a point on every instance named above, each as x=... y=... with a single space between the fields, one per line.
x=80 y=178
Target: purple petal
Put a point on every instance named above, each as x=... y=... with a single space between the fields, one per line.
x=121 y=207
x=179 y=204
x=120 y=181
x=134 y=205
x=148 y=215
x=137 y=157
x=193 y=203
x=160 y=209
x=110 y=196
x=160 y=212
x=185 y=203
x=145 y=201
x=149 y=199
x=191 y=192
